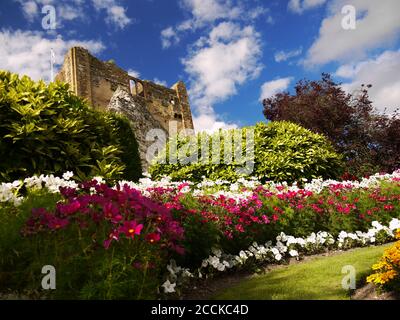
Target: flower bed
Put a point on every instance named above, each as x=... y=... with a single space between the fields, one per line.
x=115 y=241
x=387 y=271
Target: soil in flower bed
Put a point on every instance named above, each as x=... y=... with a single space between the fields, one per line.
x=369 y=292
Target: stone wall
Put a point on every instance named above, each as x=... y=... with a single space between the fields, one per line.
x=141 y=121
x=97 y=81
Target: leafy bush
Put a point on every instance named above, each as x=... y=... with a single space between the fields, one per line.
x=48 y=130
x=128 y=145
x=283 y=151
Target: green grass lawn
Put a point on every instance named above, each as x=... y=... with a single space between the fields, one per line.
x=317 y=279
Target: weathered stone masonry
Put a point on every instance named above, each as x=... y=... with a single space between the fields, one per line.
x=98 y=81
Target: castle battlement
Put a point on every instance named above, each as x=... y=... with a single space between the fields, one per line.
x=96 y=81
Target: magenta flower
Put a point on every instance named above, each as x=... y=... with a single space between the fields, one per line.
x=110 y=210
x=113 y=236
x=153 y=237
x=130 y=229
x=69 y=208
x=57 y=223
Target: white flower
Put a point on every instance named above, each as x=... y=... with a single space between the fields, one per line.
x=216 y=252
x=342 y=235
x=169 y=287
x=68 y=175
x=311 y=238
x=278 y=257
x=293 y=253
x=275 y=251
x=187 y=273
x=331 y=240
x=253 y=249
x=281 y=247
x=377 y=225
x=301 y=241
x=394 y=224
x=214 y=261
x=99 y=179
x=220 y=267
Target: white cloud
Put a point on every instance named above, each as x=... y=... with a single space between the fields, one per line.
x=204 y=13
x=210 y=122
x=217 y=65
x=28 y=53
x=299 y=6
x=270 y=88
x=378 y=24
x=70 y=12
x=257 y=12
x=30 y=9
x=160 y=82
x=77 y=9
x=229 y=57
x=169 y=37
x=382 y=72
x=221 y=60
x=116 y=14
x=286 y=55
x=134 y=73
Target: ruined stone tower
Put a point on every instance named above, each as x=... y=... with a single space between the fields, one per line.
x=109 y=88
x=97 y=81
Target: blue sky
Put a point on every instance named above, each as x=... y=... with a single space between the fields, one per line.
x=230 y=53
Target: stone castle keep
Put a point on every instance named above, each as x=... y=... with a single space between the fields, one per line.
x=107 y=87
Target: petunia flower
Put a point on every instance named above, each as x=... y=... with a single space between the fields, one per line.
x=169 y=287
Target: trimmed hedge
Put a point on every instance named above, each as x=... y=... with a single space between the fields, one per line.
x=283 y=151
x=46 y=129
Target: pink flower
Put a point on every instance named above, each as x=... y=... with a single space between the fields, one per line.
x=265 y=219
x=113 y=236
x=178 y=249
x=68 y=209
x=130 y=229
x=110 y=210
x=239 y=228
x=153 y=237
x=57 y=223
x=388 y=207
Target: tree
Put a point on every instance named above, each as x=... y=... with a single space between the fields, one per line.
x=367 y=139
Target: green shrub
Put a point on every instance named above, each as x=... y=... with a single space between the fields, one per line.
x=129 y=147
x=46 y=129
x=283 y=151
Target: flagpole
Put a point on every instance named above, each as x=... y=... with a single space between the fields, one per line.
x=51 y=65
